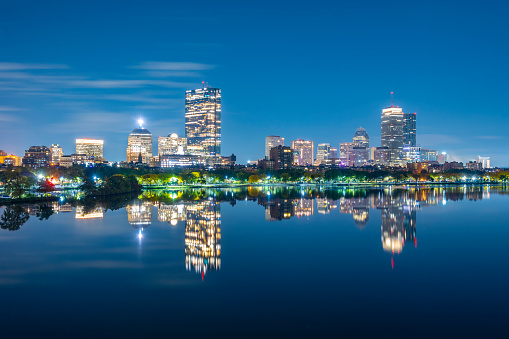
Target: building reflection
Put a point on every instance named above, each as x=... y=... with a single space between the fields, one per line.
x=358 y=207
x=171 y=214
x=82 y=212
x=304 y=207
x=139 y=214
x=324 y=205
x=203 y=237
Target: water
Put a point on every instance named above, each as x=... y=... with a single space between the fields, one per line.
x=259 y=262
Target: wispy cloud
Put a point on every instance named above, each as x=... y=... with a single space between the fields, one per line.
x=438 y=139
x=173 y=66
x=13 y=66
x=9 y=109
x=8 y=118
x=490 y=137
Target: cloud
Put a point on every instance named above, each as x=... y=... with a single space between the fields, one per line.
x=12 y=66
x=173 y=66
x=490 y=137
x=169 y=74
x=104 y=84
x=428 y=140
x=7 y=118
x=9 y=109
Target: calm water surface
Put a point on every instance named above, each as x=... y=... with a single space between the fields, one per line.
x=259 y=262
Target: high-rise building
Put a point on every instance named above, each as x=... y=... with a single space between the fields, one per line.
x=485 y=161
x=139 y=145
x=410 y=129
x=346 y=153
x=2 y=153
x=333 y=152
x=304 y=152
x=56 y=153
x=171 y=145
x=393 y=122
x=92 y=148
x=282 y=157
x=323 y=151
x=359 y=156
x=272 y=141
x=382 y=156
x=443 y=157
x=37 y=156
x=203 y=121
x=361 y=138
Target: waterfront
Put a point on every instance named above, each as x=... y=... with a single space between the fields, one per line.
x=254 y=261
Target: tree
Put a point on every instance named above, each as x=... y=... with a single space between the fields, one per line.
x=16 y=183
x=13 y=218
x=253 y=179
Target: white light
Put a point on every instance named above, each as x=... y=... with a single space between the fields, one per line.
x=444 y=202
x=40 y=176
x=140 y=122
x=140 y=235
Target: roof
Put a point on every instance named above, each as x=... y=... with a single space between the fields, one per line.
x=140 y=131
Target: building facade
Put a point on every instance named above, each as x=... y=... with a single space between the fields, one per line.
x=428 y=155
x=485 y=161
x=272 y=141
x=361 y=138
x=410 y=129
x=37 y=156
x=323 y=151
x=203 y=121
x=171 y=145
x=392 y=127
x=56 y=153
x=92 y=148
x=282 y=157
x=304 y=152
x=139 y=145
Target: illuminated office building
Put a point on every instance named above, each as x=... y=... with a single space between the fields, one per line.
x=92 y=148
x=56 y=153
x=346 y=153
x=37 y=156
x=171 y=145
x=393 y=121
x=333 y=152
x=203 y=237
x=304 y=152
x=282 y=156
x=203 y=121
x=410 y=129
x=361 y=138
x=411 y=154
x=272 y=141
x=139 y=145
x=428 y=154
x=382 y=156
x=11 y=159
x=323 y=151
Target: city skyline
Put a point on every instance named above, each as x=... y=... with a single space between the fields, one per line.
x=51 y=92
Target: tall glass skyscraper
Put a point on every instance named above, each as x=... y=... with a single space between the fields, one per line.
x=139 y=144
x=393 y=122
x=304 y=152
x=203 y=121
x=409 y=129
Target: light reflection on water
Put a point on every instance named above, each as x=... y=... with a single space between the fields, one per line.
x=175 y=240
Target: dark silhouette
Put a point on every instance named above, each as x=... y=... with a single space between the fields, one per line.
x=13 y=218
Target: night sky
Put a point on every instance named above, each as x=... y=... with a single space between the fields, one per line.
x=311 y=70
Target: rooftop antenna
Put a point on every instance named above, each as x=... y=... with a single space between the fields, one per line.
x=392 y=99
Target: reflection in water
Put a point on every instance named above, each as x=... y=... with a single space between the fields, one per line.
x=324 y=205
x=304 y=207
x=203 y=236
x=89 y=213
x=171 y=213
x=139 y=214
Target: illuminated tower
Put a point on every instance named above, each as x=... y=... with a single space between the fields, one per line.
x=361 y=138
x=203 y=121
x=304 y=152
x=139 y=144
x=92 y=148
x=410 y=129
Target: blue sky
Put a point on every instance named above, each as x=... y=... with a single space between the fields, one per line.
x=310 y=70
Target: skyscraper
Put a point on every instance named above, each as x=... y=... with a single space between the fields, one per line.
x=203 y=121
x=323 y=151
x=393 y=121
x=92 y=148
x=409 y=129
x=485 y=161
x=361 y=138
x=272 y=141
x=304 y=152
x=139 y=144
x=56 y=153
